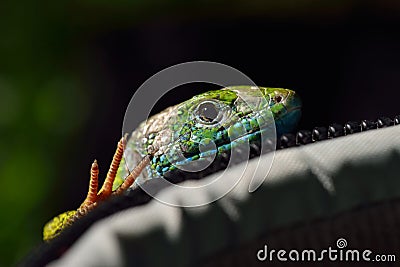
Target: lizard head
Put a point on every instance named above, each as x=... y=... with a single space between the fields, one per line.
x=210 y=124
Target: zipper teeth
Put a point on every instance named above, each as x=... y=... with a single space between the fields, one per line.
x=334 y=130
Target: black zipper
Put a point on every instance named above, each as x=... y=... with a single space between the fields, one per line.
x=334 y=130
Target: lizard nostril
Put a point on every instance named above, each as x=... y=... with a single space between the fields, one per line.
x=278 y=99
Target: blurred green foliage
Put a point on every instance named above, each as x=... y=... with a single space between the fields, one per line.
x=41 y=103
x=45 y=100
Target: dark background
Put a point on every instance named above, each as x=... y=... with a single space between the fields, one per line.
x=68 y=70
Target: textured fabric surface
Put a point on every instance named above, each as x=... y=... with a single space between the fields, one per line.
x=314 y=182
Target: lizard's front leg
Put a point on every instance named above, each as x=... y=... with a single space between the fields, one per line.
x=55 y=226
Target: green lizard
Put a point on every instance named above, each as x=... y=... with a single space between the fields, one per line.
x=182 y=134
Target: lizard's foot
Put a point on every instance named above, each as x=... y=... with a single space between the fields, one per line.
x=56 y=225
x=93 y=197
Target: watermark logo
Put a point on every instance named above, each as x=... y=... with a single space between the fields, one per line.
x=340 y=253
x=341 y=243
x=180 y=117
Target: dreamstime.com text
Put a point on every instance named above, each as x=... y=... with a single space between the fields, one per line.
x=334 y=254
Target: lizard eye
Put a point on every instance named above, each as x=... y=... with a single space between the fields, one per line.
x=208 y=112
